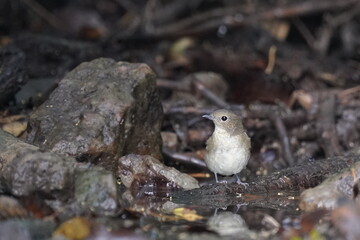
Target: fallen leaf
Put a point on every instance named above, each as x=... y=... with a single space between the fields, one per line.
x=76 y=228
x=187 y=214
x=15 y=128
x=178 y=51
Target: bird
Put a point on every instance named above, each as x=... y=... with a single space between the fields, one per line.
x=228 y=148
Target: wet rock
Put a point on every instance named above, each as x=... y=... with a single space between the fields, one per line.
x=143 y=169
x=95 y=193
x=27 y=229
x=140 y=202
x=327 y=194
x=33 y=171
x=101 y=109
x=25 y=169
x=12 y=64
x=96 y=190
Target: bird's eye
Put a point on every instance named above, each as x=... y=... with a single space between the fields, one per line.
x=224 y=118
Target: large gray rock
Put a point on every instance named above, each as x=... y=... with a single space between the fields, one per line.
x=25 y=169
x=101 y=109
x=32 y=171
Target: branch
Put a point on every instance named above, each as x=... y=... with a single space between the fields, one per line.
x=236 y=17
x=290 y=180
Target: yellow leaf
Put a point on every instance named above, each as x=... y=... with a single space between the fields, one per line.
x=187 y=214
x=296 y=238
x=15 y=128
x=315 y=235
x=76 y=228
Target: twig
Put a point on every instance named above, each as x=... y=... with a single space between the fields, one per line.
x=44 y=13
x=290 y=118
x=128 y=5
x=200 y=175
x=173 y=9
x=235 y=16
x=305 y=32
x=262 y=111
x=271 y=60
x=210 y=95
x=185 y=158
x=325 y=124
x=349 y=91
x=188 y=110
x=284 y=139
x=322 y=43
x=173 y=85
x=196 y=19
x=179 y=86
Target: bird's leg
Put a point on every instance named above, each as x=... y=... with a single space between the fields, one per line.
x=216 y=210
x=238 y=181
x=217 y=181
x=238 y=206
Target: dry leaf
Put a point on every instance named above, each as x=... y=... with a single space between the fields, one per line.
x=76 y=228
x=278 y=28
x=187 y=214
x=178 y=50
x=15 y=128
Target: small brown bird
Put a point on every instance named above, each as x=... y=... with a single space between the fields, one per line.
x=228 y=148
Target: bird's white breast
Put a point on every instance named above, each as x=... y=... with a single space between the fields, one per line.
x=230 y=155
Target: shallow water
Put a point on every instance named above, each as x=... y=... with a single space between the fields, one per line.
x=167 y=212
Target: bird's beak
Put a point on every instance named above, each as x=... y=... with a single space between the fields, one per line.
x=208 y=117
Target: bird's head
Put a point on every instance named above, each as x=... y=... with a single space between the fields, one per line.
x=226 y=120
